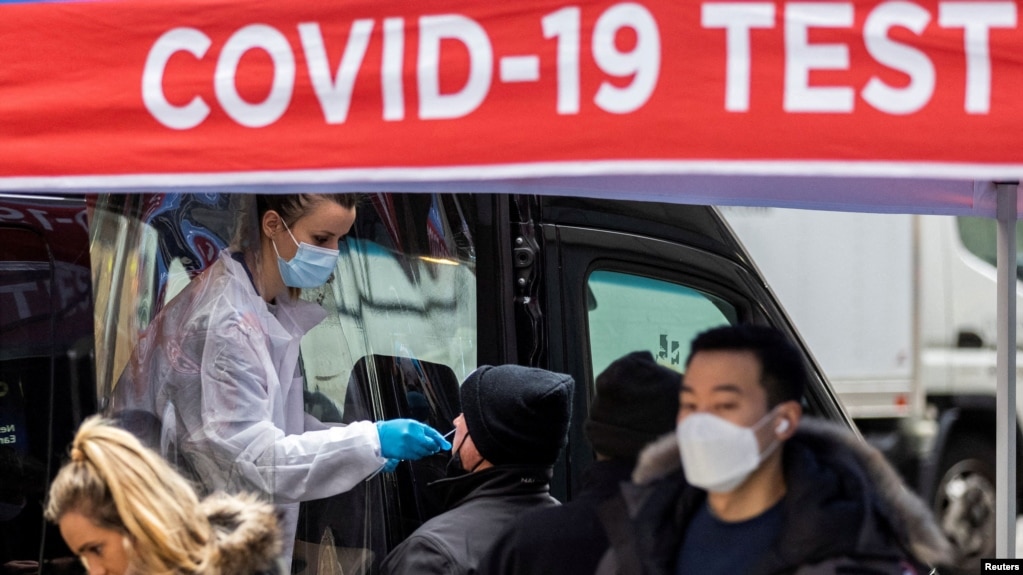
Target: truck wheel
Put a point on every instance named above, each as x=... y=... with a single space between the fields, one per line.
x=964 y=501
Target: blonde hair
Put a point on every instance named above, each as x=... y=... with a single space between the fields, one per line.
x=118 y=484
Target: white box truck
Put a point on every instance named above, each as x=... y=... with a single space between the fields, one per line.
x=899 y=311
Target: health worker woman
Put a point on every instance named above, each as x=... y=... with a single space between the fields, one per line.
x=215 y=383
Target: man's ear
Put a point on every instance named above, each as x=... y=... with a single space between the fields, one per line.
x=789 y=415
x=476 y=461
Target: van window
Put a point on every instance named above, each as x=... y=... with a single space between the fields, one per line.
x=979 y=236
x=145 y=248
x=630 y=312
x=384 y=301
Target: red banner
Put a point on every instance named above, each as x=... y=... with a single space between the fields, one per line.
x=324 y=90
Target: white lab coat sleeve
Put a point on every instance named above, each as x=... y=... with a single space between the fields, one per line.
x=242 y=420
x=313 y=424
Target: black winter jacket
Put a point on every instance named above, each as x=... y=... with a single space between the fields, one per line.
x=481 y=505
x=565 y=540
x=845 y=511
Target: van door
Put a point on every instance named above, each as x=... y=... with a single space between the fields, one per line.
x=613 y=291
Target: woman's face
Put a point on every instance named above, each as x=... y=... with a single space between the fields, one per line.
x=322 y=226
x=101 y=550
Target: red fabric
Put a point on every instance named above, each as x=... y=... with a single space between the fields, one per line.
x=71 y=97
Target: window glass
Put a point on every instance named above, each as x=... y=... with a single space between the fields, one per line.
x=630 y=312
x=145 y=248
x=399 y=335
x=26 y=338
x=979 y=236
x=405 y=286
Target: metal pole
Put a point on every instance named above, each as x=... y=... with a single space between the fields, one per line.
x=1005 y=443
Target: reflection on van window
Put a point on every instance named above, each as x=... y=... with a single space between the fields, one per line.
x=630 y=312
x=979 y=236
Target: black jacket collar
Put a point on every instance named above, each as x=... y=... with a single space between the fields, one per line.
x=497 y=481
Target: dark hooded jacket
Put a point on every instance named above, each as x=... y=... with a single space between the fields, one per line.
x=845 y=511
x=480 y=506
x=248 y=539
x=563 y=540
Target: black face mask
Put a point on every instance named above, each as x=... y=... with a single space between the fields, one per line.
x=454 y=467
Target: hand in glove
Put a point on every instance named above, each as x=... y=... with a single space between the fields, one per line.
x=409 y=439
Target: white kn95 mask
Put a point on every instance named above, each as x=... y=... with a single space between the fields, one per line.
x=718 y=455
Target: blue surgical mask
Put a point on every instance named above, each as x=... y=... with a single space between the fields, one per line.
x=311 y=267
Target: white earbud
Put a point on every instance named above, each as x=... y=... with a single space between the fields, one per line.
x=782 y=427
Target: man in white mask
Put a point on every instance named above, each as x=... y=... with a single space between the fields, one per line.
x=746 y=484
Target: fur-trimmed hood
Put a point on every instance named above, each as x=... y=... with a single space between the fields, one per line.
x=835 y=447
x=248 y=538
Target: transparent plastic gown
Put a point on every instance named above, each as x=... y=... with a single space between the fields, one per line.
x=214 y=384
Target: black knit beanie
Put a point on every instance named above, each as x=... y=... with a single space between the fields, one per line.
x=636 y=402
x=517 y=415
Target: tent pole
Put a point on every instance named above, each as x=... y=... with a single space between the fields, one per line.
x=1005 y=443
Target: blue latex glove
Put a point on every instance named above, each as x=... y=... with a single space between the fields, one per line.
x=409 y=439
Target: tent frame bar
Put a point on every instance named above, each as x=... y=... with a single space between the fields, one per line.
x=1005 y=442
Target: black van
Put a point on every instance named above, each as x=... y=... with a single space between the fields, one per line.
x=47 y=383
x=429 y=286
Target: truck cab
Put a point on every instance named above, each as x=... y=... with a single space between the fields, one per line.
x=429 y=287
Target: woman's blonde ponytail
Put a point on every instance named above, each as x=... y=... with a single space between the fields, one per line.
x=116 y=482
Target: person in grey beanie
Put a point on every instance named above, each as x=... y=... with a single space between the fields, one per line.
x=636 y=402
x=513 y=424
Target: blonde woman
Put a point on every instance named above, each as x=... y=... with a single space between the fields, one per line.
x=123 y=510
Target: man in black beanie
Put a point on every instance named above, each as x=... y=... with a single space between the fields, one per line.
x=636 y=402
x=514 y=422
